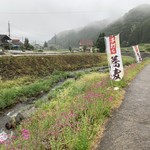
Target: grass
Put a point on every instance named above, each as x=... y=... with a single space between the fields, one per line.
x=42 y=66
x=23 y=88
x=142 y=47
x=20 y=89
x=13 y=91
x=16 y=82
x=127 y=60
x=75 y=114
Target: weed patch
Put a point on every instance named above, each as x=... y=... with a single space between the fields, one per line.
x=75 y=114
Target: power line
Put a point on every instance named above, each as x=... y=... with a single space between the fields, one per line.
x=50 y=12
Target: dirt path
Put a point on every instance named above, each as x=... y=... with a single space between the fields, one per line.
x=129 y=128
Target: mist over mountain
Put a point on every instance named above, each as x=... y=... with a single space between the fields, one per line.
x=72 y=37
x=134 y=28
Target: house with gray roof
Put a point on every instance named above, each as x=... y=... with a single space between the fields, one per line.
x=5 y=41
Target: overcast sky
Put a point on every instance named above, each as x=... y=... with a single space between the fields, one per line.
x=39 y=20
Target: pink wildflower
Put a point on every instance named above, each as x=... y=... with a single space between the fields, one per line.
x=25 y=134
x=110 y=99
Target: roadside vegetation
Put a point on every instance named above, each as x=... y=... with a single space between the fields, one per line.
x=75 y=114
x=142 y=47
x=42 y=66
x=145 y=47
x=17 y=90
x=23 y=88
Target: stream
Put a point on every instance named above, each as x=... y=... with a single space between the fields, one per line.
x=28 y=108
x=25 y=108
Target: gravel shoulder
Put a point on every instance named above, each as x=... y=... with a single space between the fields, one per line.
x=129 y=127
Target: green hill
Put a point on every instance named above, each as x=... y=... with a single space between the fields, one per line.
x=134 y=28
x=72 y=37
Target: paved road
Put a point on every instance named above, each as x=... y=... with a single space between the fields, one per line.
x=129 y=128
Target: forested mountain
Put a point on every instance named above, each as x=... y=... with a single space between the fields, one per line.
x=72 y=37
x=134 y=28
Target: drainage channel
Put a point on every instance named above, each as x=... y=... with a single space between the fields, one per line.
x=28 y=108
x=25 y=108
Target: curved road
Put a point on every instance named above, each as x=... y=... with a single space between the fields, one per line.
x=129 y=128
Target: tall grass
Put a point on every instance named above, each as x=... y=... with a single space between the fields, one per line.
x=26 y=87
x=20 y=89
x=75 y=114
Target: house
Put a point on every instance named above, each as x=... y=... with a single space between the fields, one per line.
x=86 y=45
x=16 y=44
x=38 y=47
x=5 y=41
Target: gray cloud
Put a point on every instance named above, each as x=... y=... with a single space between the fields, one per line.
x=39 y=20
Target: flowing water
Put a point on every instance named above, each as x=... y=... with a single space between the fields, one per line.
x=28 y=107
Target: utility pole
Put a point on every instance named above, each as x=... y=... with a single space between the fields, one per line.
x=22 y=39
x=8 y=29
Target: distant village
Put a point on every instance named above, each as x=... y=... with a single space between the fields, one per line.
x=8 y=43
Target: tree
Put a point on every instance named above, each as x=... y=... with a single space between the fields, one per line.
x=84 y=48
x=100 y=43
x=70 y=49
x=27 y=45
x=45 y=44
